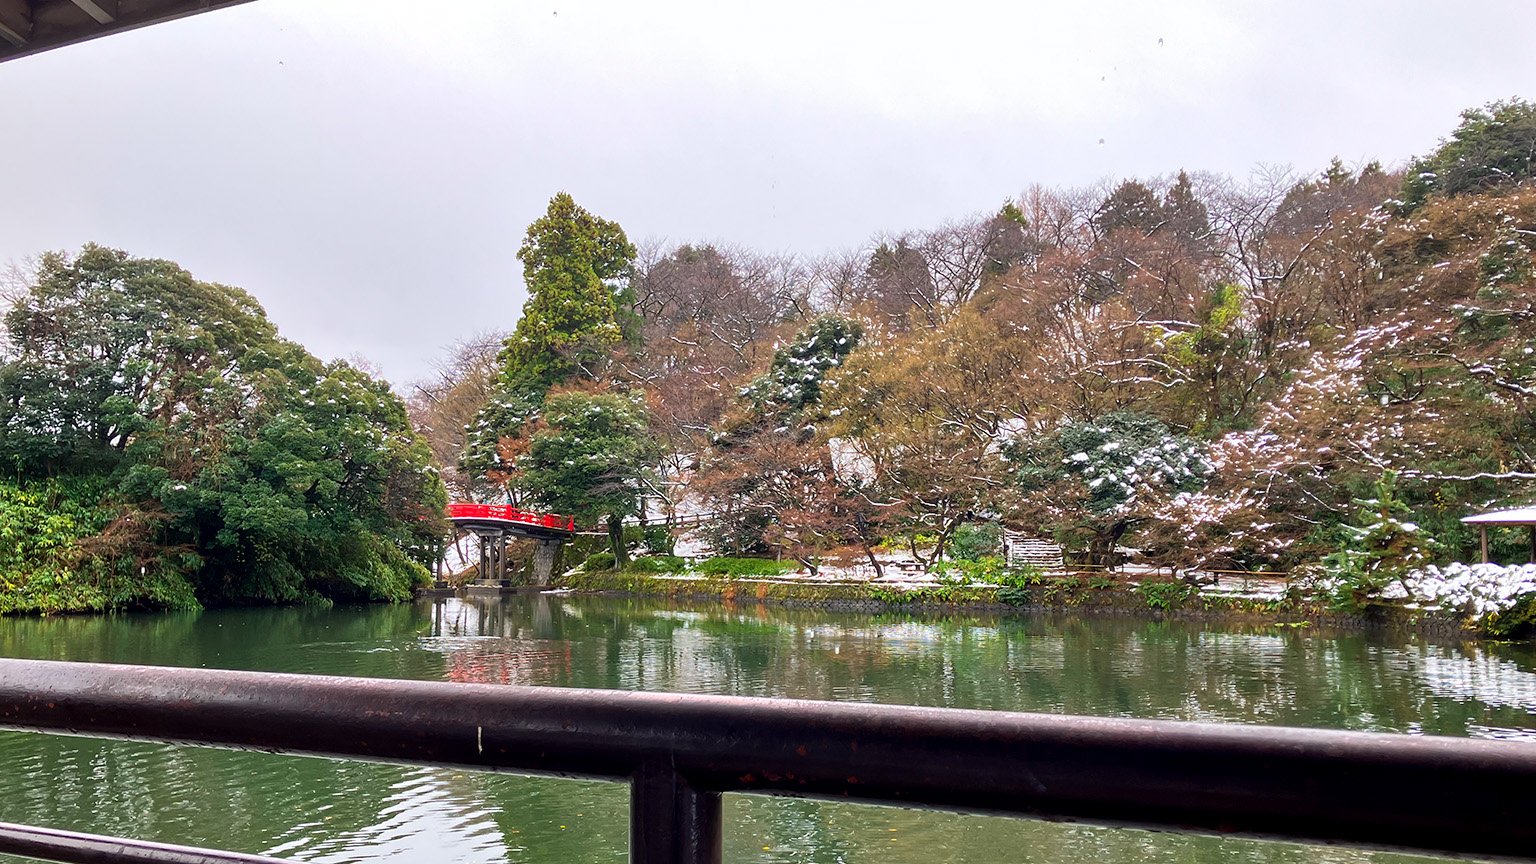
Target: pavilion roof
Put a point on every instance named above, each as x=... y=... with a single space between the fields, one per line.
x=30 y=26
x=1516 y=516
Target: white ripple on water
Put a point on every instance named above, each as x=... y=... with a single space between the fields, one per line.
x=425 y=817
x=1481 y=678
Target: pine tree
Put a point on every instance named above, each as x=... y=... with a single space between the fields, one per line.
x=576 y=266
x=1131 y=206
x=1382 y=546
x=587 y=460
x=1493 y=147
x=1188 y=218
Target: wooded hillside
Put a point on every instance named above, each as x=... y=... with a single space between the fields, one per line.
x=1217 y=371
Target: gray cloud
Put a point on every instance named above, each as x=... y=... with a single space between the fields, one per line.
x=367 y=172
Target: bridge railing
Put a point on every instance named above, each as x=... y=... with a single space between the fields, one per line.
x=679 y=753
x=508 y=513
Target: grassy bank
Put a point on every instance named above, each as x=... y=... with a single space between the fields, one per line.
x=1059 y=594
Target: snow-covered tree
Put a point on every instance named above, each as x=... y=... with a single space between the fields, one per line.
x=1091 y=482
x=1382 y=545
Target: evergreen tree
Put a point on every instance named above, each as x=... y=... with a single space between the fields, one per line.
x=106 y=348
x=1493 y=147
x=896 y=279
x=1186 y=214
x=1008 y=241
x=587 y=459
x=746 y=474
x=1381 y=547
x=794 y=380
x=580 y=305
x=1131 y=206
x=1093 y=480
x=227 y=464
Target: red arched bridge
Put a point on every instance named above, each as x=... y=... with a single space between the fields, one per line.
x=511 y=520
x=494 y=524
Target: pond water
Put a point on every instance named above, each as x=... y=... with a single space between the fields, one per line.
x=318 y=810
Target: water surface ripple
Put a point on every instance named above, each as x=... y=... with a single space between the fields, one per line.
x=340 y=812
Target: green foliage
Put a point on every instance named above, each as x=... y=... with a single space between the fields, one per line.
x=52 y=558
x=232 y=460
x=976 y=541
x=657 y=539
x=1085 y=481
x=794 y=380
x=106 y=347
x=987 y=570
x=1163 y=596
x=1494 y=147
x=1519 y=620
x=1014 y=596
x=1202 y=356
x=946 y=592
x=657 y=564
x=507 y=415
x=1185 y=214
x=1063 y=591
x=574 y=265
x=1010 y=212
x=888 y=594
x=599 y=561
x=1380 y=548
x=738 y=568
x=1131 y=206
x=588 y=458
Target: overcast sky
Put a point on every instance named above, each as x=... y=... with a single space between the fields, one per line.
x=366 y=168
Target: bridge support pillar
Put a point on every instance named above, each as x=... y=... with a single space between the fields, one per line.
x=546 y=559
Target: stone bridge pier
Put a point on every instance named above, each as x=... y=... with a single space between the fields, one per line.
x=546 y=560
x=495 y=524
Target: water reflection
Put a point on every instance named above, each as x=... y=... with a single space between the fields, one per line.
x=317 y=810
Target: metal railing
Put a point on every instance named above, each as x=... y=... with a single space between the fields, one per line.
x=679 y=753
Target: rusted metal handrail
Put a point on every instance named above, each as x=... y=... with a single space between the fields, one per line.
x=72 y=847
x=680 y=752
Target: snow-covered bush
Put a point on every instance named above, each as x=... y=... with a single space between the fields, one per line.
x=1499 y=598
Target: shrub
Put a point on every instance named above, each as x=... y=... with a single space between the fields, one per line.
x=737 y=568
x=1518 y=620
x=658 y=540
x=976 y=542
x=61 y=550
x=599 y=561
x=1380 y=551
x=1014 y=596
x=1066 y=590
x=657 y=564
x=1499 y=600
x=988 y=571
x=1165 y=595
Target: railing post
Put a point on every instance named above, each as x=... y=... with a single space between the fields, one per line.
x=671 y=821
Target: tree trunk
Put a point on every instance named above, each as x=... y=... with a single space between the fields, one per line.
x=869 y=552
x=616 y=541
x=1101 y=550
